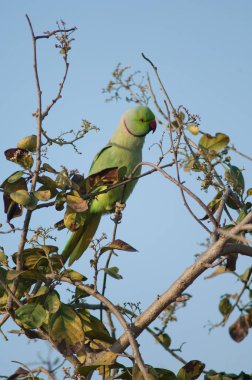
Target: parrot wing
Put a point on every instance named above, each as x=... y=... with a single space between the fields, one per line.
x=98 y=155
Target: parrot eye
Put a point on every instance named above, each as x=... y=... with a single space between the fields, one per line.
x=142 y=120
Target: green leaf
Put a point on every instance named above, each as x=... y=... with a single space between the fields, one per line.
x=79 y=293
x=233 y=201
x=108 y=358
x=3 y=258
x=25 y=274
x=49 y=249
x=15 y=176
x=48 y=168
x=212 y=375
x=60 y=201
x=48 y=182
x=193 y=128
x=11 y=208
x=73 y=275
x=21 y=196
x=153 y=374
x=31 y=316
x=241 y=215
x=235 y=178
x=24 y=198
x=164 y=339
x=63 y=181
x=76 y=203
x=246 y=275
x=10 y=187
x=217 y=143
x=28 y=142
x=94 y=329
x=113 y=272
x=19 y=156
x=33 y=258
x=191 y=370
x=43 y=194
x=214 y=204
x=78 y=183
x=249 y=192
x=65 y=328
x=41 y=292
x=193 y=164
x=37 y=258
x=120 y=245
x=52 y=302
x=225 y=306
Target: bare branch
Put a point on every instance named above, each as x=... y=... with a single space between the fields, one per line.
x=240 y=153
x=50 y=34
x=172 y=293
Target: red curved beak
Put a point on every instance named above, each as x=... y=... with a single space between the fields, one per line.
x=153 y=125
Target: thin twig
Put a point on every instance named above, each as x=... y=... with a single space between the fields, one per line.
x=50 y=34
x=10 y=293
x=174 y=150
x=117 y=218
x=4 y=318
x=188 y=191
x=58 y=96
x=241 y=154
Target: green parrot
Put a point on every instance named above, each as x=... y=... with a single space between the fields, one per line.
x=123 y=149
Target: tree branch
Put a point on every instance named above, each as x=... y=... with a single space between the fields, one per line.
x=132 y=341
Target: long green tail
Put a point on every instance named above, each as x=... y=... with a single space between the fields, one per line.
x=80 y=240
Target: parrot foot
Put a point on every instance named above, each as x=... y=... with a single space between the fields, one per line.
x=119 y=207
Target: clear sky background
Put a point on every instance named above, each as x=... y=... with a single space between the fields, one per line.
x=203 y=52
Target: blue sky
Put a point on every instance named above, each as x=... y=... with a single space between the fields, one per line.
x=203 y=52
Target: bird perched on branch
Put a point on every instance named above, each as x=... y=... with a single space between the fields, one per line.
x=124 y=150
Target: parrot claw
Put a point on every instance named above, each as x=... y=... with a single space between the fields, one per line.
x=120 y=206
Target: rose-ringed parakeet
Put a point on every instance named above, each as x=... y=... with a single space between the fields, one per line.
x=124 y=149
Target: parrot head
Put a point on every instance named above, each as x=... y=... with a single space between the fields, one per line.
x=139 y=121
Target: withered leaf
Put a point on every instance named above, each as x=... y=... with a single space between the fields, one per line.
x=76 y=203
x=65 y=328
x=108 y=176
x=19 y=371
x=191 y=370
x=120 y=245
x=217 y=272
x=21 y=157
x=239 y=329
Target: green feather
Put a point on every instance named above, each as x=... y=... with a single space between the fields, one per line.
x=124 y=149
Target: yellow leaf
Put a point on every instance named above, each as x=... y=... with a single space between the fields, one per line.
x=193 y=128
x=217 y=272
